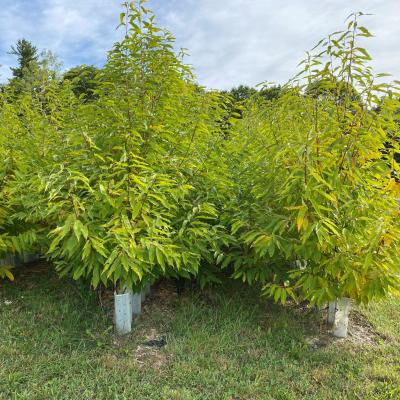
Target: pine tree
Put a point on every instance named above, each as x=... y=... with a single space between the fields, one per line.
x=27 y=55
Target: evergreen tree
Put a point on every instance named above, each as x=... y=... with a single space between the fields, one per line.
x=27 y=55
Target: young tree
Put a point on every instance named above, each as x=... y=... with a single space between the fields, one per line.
x=18 y=204
x=313 y=210
x=127 y=192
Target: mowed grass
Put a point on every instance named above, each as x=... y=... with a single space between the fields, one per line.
x=57 y=342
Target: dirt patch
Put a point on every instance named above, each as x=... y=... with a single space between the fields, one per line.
x=148 y=344
x=151 y=351
x=162 y=298
x=360 y=332
x=150 y=357
x=148 y=354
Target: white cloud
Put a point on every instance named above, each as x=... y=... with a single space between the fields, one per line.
x=238 y=41
x=77 y=31
x=230 y=41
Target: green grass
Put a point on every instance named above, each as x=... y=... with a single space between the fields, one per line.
x=56 y=342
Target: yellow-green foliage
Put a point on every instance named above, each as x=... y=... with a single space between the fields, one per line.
x=315 y=214
x=18 y=231
x=119 y=184
x=153 y=176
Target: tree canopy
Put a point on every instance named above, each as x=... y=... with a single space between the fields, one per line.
x=132 y=172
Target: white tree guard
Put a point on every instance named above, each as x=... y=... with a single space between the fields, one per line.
x=331 y=312
x=123 y=312
x=341 y=317
x=136 y=303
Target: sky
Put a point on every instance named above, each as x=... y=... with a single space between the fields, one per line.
x=230 y=42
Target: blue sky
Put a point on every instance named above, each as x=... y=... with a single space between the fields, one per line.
x=230 y=41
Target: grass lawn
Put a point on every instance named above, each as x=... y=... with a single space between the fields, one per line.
x=57 y=342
